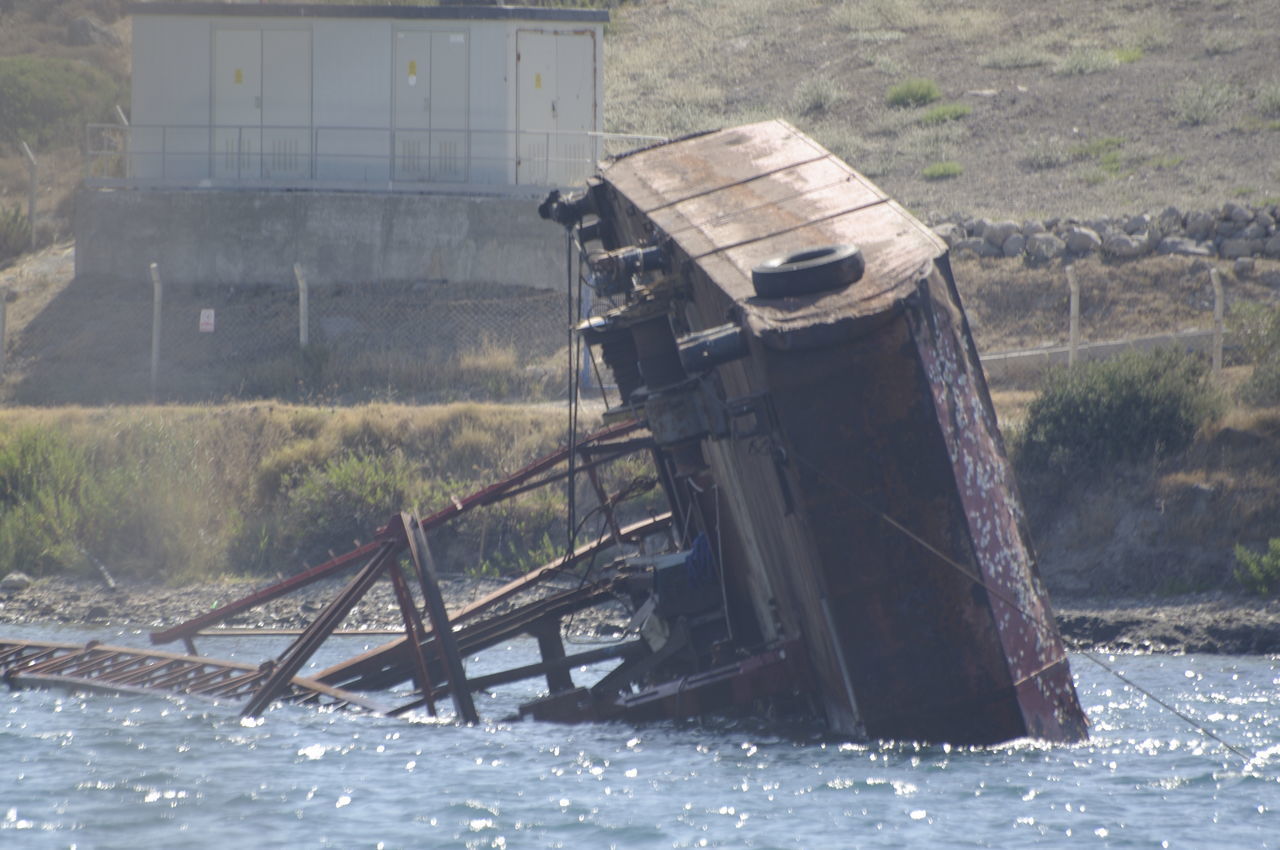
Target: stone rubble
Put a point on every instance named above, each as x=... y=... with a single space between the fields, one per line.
x=1235 y=231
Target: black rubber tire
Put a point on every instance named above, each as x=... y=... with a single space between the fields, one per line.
x=806 y=272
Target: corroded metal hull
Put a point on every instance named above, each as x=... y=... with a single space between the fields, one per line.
x=842 y=531
x=871 y=509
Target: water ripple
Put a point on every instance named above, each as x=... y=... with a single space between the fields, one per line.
x=110 y=772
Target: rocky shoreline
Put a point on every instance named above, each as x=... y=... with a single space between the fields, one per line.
x=1216 y=623
x=1208 y=623
x=62 y=601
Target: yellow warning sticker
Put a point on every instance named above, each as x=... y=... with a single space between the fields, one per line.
x=537 y=81
x=413 y=68
x=239 y=76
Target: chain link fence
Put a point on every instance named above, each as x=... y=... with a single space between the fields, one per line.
x=116 y=341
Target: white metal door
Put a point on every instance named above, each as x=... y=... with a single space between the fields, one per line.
x=535 y=105
x=555 y=106
x=412 y=105
x=286 y=103
x=575 y=107
x=237 y=103
x=449 y=106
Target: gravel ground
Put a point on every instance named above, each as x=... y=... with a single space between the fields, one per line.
x=1208 y=623
x=60 y=600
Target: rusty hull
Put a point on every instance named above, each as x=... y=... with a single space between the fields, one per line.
x=871 y=511
x=844 y=533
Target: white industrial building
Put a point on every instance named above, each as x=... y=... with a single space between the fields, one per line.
x=362 y=143
x=472 y=98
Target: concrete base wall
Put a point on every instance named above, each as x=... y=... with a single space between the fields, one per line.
x=201 y=237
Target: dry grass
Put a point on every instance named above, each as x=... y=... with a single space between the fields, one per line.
x=1018 y=68
x=184 y=492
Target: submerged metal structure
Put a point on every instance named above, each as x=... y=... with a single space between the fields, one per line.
x=841 y=536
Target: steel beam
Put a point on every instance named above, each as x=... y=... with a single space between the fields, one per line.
x=445 y=642
x=305 y=646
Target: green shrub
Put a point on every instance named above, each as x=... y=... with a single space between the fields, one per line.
x=816 y=95
x=330 y=507
x=916 y=92
x=1196 y=103
x=15 y=233
x=46 y=101
x=1269 y=100
x=1087 y=60
x=1224 y=43
x=1135 y=407
x=56 y=503
x=1096 y=149
x=1015 y=56
x=1256 y=327
x=942 y=170
x=172 y=495
x=944 y=112
x=1259 y=573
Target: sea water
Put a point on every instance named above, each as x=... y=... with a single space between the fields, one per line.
x=162 y=772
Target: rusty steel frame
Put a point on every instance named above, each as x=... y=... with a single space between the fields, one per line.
x=474 y=638
x=102 y=667
x=95 y=667
x=445 y=643
x=298 y=653
x=434 y=652
x=402 y=533
x=497 y=492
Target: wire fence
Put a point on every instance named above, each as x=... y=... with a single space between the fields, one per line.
x=103 y=341
x=140 y=341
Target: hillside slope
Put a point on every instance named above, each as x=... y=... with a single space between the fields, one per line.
x=1081 y=107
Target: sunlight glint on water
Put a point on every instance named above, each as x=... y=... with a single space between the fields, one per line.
x=116 y=772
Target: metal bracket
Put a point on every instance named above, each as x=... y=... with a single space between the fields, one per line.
x=749 y=416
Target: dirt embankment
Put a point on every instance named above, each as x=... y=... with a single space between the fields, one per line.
x=1166 y=528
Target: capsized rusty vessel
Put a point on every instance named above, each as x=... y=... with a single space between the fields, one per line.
x=802 y=495
x=794 y=341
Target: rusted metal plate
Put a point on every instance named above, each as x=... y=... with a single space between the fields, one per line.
x=984 y=480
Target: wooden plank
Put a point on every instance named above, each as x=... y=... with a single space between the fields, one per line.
x=666 y=175
x=766 y=205
x=728 y=211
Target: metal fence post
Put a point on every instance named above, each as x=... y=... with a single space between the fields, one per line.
x=32 y=173
x=1073 y=343
x=4 y=297
x=304 y=308
x=1217 y=319
x=156 y=300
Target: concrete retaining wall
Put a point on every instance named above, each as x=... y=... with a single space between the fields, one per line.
x=238 y=237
